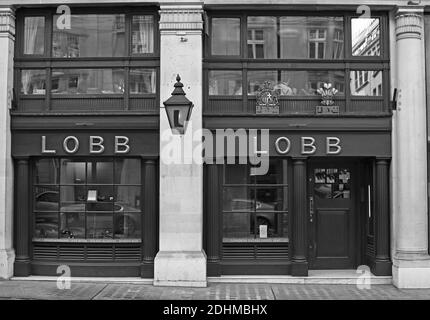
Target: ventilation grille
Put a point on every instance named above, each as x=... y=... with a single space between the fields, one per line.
x=257 y=252
x=84 y=252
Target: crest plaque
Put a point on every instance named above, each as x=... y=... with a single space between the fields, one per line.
x=267 y=100
x=327 y=92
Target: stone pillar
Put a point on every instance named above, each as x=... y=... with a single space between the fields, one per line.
x=181 y=260
x=7 y=40
x=411 y=262
x=213 y=214
x=22 y=219
x=149 y=218
x=300 y=218
x=382 y=265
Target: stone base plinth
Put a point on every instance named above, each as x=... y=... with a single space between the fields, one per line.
x=7 y=258
x=180 y=269
x=412 y=273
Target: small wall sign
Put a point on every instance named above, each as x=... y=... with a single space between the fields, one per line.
x=263 y=231
x=327 y=109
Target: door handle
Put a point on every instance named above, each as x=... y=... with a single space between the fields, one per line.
x=311 y=209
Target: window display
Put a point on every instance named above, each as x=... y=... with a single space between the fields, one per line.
x=254 y=207
x=84 y=199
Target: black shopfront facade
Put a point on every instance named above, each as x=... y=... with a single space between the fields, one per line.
x=324 y=202
x=85 y=136
x=85 y=141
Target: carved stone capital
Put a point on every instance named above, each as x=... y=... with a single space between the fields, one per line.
x=7 y=21
x=181 y=18
x=409 y=25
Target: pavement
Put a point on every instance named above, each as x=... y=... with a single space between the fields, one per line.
x=48 y=290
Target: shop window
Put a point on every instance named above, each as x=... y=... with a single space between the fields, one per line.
x=295 y=82
x=87 y=81
x=366 y=83
x=225 y=36
x=142 y=34
x=142 y=81
x=365 y=34
x=225 y=82
x=254 y=207
x=311 y=37
x=257 y=78
x=110 y=60
x=262 y=37
x=33 y=82
x=90 y=35
x=87 y=199
x=34 y=35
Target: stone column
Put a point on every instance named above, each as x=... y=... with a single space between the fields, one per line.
x=411 y=262
x=300 y=218
x=7 y=40
x=382 y=266
x=181 y=260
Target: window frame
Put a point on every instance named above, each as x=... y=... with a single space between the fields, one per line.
x=347 y=63
x=127 y=62
x=59 y=184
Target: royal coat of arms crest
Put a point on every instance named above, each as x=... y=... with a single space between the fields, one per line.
x=267 y=100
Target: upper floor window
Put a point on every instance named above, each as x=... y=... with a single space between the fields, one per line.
x=34 y=35
x=226 y=36
x=101 y=55
x=365 y=35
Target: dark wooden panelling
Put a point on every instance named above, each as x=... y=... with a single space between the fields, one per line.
x=256 y=251
x=143 y=104
x=86 y=252
x=87 y=104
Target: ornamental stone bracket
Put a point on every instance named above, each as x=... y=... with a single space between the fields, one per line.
x=7 y=22
x=409 y=24
x=181 y=18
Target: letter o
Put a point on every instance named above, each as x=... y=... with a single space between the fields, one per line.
x=66 y=147
x=278 y=148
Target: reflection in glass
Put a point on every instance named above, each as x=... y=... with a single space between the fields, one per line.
x=72 y=172
x=33 y=81
x=365 y=37
x=268 y=199
x=276 y=225
x=225 y=82
x=73 y=198
x=142 y=81
x=127 y=225
x=142 y=34
x=127 y=199
x=46 y=198
x=238 y=199
x=100 y=225
x=306 y=83
x=90 y=35
x=100 y=172
x=46 y=171
x=89 y=197
x=257 y=78
x=46 y=225
x=72 y=225
x=311 y=37
x=225 y=36
x=366 y=83
x=237 y=225
x=236 y=174
x=87 y=81
x=262 y=37
x=127 y=171
x=34 y=35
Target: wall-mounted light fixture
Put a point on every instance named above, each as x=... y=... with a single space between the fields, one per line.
x=178 y=108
